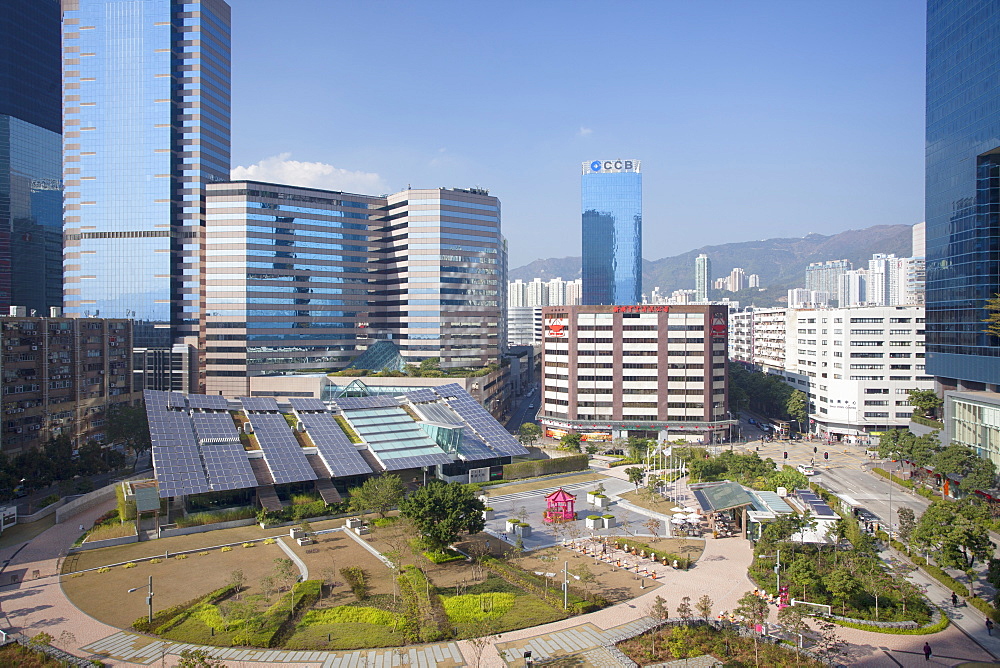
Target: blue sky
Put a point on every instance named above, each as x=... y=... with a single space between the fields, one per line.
x=752 y=119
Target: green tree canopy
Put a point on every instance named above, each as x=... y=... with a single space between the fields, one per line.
x=528 y=433
x=961 y=460
x=442 y=512
x=957 y=532
x=635 y=475
x=128 y=425
x=379 y=494
x=797 y=407
x=925 y=402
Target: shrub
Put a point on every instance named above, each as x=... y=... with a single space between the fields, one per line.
x=130 y=564
x=103 y=569
x=126 y=509
x=269 y=541
x=538 y=467
x=349 y=614
x=227 y=548
x=249 y=544
x=155 y=560
x=593 y=517
x=478 y=607
x=112 y=530
x=49 y=500
x=204 y=554
x=202 y=519
x=940 y=625
x=181 y=556
x=985 y=608
x=357 y=580
x=443 y=556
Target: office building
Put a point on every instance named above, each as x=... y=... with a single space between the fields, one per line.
x=646 y=371
x=61 y=376
x=30 y=155
x=146 y=127
x=287 y=278
x=825 y=276
x=524 y=326
x=962 y=205
x=612 y=232
x=702 y=277
x=442 y=277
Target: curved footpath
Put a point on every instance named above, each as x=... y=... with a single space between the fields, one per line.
x=36 y=604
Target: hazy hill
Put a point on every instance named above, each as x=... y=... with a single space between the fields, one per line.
x=781 y=263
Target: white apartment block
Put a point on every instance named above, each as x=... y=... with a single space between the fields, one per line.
x=537 y=292
x=857 y=364
x=524 y=326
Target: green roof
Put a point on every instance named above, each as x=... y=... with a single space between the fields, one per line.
x=721 y=496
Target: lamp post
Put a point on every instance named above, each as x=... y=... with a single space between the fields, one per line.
x=149 y=597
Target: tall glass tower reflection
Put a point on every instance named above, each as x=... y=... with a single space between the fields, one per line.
x=612 y=232
x=146 y=126
x=30 y=155
x=963 y=190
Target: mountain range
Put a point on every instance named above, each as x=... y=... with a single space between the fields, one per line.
x=780 y=263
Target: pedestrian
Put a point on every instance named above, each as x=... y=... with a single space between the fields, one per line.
x=81 y=527
x=927 y=651
x=954 y=599
x=989 y=626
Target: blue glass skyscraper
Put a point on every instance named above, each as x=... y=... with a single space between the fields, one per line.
x=30 y=155
x=612 y=232
x=146 y=127
x=962 y=188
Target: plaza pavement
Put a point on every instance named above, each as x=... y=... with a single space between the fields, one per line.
x=35 y=604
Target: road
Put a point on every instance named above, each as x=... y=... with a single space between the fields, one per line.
x=872 y=492
x=522 y=413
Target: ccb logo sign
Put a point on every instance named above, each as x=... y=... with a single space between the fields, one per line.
x=598 y=165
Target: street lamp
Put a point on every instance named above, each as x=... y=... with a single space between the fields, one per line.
x=149 y=598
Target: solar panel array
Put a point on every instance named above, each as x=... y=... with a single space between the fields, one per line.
x=484 y=424
x=814 y=503
x=215 y=402
x=472 y=449
x=450 y=390
x=167 y=427
x=356 y=403
x=440 y=413
x=215 y=428
x=259 y=403
x=282 y=452
x=179 y=470
x=227 y=466
x=307 y=404
x=335 y=449
x=421 y=396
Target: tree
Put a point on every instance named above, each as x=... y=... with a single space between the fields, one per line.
x=379 y=494
x=444 y=511
x=684 y=610
x=842 y=586
x=528 y=433
x=925 y=402
x=802 y=572
x=704 y=606
x=585 y=576
x=128 y=425
x=752 y=609
x=571 y=441
x=237 y=579
x=637 y=448
x=797 y=407
x=285 y=573
x=960 y=460
x=907 y=523
x=653 y=526
x=635 y=475
x=659 y=609
x=793 y=618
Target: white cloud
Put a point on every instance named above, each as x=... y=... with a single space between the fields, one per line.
x=279 y=169
x=584 y=131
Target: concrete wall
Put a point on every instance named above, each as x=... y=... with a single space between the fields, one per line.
x=92 y=499
x=168 y=532
x=46 y=511
x=108 y=542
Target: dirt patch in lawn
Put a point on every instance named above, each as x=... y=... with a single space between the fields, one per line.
x=105 y=597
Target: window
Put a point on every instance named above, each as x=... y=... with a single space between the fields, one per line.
x=876 y=402
x=867 y=320
x=874 y=414
x=877 y=390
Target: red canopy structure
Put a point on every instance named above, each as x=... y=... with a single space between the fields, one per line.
x=560 y=506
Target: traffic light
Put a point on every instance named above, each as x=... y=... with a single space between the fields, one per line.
x=786 y=454
x=826 y=455
x=815 y=449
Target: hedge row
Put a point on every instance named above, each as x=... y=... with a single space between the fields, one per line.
x=908 y=484
x=168 y=618
x=940 y=625
x=423 y=606
x=951 y=583
x=537 y=467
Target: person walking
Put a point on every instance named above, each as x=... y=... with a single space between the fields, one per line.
x=927 y=651
x=989 y=626
x=954 y=599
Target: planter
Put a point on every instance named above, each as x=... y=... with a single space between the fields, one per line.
x=594 y=522
x=488 y=514
x=598 y=500
x=304 y=540
x=522 y=530
x=361 y=530
x=296 y=533
x=510 y=526
x=609 y=521
x=354 y=522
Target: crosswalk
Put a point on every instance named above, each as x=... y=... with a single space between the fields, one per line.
x=536 y=492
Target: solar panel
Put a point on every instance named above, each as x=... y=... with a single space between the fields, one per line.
x=484 y=424
x=259 y=403
x=400 y=463
x=307 y=404
x=438 y=412
x=356 y=403
x=472 y=449
x=335 y=449
x=450 y=390
x=208 y=401
x=170 y=427
x=282 y=452
x=215 y=428
x=176 y=400
x=227 y=466
x=421 y=396
x=179 y=470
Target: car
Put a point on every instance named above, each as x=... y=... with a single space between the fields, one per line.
x=752 y=421
x=807 y=470
x=531 y=405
